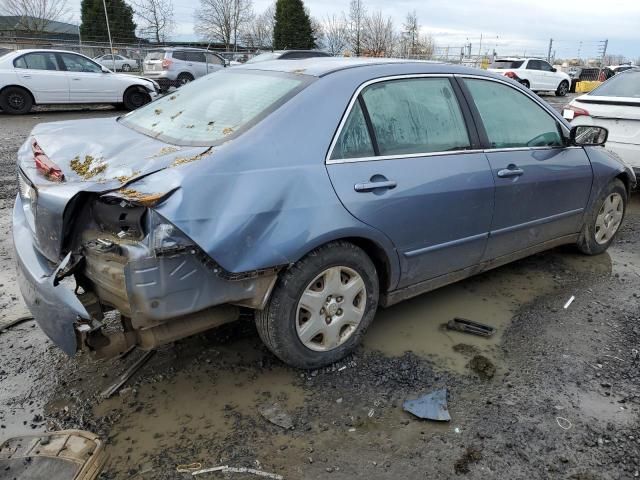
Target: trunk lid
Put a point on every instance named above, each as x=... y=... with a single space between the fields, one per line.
x=621 y=116
x=95 y=156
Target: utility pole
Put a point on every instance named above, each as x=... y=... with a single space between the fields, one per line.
x=549 y=51
x=106 y=16
x=603 y=46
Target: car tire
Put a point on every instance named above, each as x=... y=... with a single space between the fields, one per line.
x=563 y=89
x=126 y=67
x=16 y=101
x=526 y=83
x=135 y=97
x=604 y=220
x=184 y=78
x=310 y=297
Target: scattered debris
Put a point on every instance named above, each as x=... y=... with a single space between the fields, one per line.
x=191 y=125
x=12 y=322
x=469 y=326
x=126 y=178
x=124 y=378
x=144 y=199
x=342 y=368
x=563 y=423
x=85 y=168
x=275 y=414
x=62 y=455
x=227 y=131
x=189 y=468
x=471 y=455
x=173 y=97
x=157 y=111
x=482 y=366
x=165 y=151
x=173 y=117
x=432 y=406
x=227 y=469
x=466 y=350
x=569 y=302
x=183 y=160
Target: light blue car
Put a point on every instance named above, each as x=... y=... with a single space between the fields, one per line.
x=307 y=192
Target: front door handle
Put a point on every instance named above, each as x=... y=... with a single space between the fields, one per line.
x=370 y=186
x=26 y=76
x=511 y=171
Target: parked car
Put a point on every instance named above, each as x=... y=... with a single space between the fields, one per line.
x=309 y=192
x=41 y=77
x=536 y=74
x=287 y=55
x=174 y=67
x=117 y=62
x=615 y=105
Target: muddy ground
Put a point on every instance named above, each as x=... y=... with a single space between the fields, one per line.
x=563 y=401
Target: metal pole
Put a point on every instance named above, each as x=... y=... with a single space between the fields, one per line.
x=549 y=52
x=604 y=51
x=106 y=16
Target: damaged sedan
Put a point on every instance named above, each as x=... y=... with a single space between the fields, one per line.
x=308 y=193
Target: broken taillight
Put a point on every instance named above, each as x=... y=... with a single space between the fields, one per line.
x=511 y=75
x=45 y=166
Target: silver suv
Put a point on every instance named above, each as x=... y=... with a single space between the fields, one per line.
x=177 y=66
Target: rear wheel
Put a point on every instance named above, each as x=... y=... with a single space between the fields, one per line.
x=604 y=221
x=563 y=89
x=135 y=97
x=526 y=83
x=126 y=67
x=16 y=101
x=321 y=307
x=184 y=78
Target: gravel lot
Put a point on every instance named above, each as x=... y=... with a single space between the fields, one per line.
x=199 y=399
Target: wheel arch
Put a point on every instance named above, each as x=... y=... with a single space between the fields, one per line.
x=33 y=98
x=626 y=179
x=135 y=86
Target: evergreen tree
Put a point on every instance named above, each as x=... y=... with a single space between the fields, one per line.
x=94 y=25
x=292 y=29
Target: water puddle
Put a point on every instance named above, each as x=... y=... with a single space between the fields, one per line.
x=493 y=298
x=197 y=400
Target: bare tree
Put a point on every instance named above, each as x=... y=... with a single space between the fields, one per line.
x=317 y=30
x=221 y=20
x=378 y=36
x=336 y=35
x=410 y=34
x=258 y=33
x=36 y=15
x=356 y=21
x=156 y=18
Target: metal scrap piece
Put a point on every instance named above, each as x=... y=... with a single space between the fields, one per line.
x=124 y=378
x=432 y=406
x=276 y=415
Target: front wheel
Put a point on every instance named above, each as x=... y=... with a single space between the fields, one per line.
x=563 y=89
x=135 y=98
x=321 y=307
x=126 y=67
x=604 y=221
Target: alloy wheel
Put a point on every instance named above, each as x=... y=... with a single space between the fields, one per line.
x=609 y=218
x=16 y=101
x=331 y=308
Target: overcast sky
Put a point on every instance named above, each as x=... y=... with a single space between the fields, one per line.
x=510 y=26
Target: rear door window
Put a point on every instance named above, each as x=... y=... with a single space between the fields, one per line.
x=506 y=64
x=416 y=115
x=511 y=119
x=354 y=140
x=37 y=61
x=179 y=55
x=195 y=57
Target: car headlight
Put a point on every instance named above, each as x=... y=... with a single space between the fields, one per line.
x=164 y=238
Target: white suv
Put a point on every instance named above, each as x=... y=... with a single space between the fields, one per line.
x=173 y=67
x=533 y=73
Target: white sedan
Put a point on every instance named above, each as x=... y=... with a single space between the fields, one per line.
x=533 y=73
x=117 y=62
x=37 y=77
x=614 y=105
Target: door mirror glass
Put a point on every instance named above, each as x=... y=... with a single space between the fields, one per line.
x=588 y=135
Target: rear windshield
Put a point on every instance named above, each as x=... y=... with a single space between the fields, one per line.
x=215 y=107
x=505 y=64
x=625 y=84
x=155 y=55
x=264 y=57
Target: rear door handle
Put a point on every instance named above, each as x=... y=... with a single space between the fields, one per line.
x=370 y=186
x=511 y=171
x=26 y=76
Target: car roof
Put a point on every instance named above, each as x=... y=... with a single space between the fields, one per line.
x=321 y=66
x=42 y=50
x=173 y=49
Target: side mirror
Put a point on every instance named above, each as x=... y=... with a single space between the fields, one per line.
x=105 y=69
x=554 y=69
x=588 y=135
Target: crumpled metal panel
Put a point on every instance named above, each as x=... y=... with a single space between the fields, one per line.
x=432 y=406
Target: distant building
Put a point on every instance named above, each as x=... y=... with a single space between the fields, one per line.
x=24 y=27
